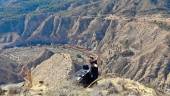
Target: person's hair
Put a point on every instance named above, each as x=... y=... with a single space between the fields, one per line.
x=91 y=57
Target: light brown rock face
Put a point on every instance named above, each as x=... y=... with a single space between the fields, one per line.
x=44 y=55
x=148 y=42
x=54 y=72
x=136 y=48
x=121 y=87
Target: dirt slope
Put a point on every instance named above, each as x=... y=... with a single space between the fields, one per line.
x=8 y=71
x=44 y=55
x=53 y=71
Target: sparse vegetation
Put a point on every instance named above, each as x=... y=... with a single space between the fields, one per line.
x=30 y=6
x=127 y=53
x=168 y=40
x=1 y=92
x=126 y=43
x=79 y=56
x=162 y=25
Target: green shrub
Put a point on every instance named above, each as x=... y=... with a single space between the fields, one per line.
x=79 y=56
x=162 y=25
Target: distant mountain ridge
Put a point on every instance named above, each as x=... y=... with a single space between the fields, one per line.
x=45 y=22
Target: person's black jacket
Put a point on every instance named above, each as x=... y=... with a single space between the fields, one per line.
x=94 y=72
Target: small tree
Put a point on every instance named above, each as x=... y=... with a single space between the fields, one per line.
x=79 y=56
x=168 y=40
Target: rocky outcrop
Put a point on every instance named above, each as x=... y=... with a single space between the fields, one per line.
x=121 y=87
x=44 y=55
x=54 y=71
x=109 y=86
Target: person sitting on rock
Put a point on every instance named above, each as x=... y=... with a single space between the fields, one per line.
x=88 y=73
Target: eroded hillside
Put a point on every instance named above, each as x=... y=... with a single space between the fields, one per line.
x=131 y=36
x=70 y=24
x=52 y=77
